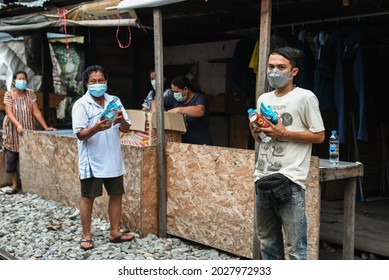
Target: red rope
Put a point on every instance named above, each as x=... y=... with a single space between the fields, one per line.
x=62 y=14
x=129 y=36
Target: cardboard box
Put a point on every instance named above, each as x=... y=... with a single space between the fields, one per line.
x=143 y=128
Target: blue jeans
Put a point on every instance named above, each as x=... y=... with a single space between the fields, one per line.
x=270 y=217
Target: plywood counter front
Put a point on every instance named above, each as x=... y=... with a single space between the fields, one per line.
x=210 y=193
x=49 y=168
x=5 y=178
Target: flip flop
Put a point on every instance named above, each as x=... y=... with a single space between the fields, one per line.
x=12 y=191
x=90 y=241
x=119 y=239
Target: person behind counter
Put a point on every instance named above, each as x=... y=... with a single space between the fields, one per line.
x=21 y=109
x=183 y=99
x=148 y=104
x=100 y=160
x=283 y=163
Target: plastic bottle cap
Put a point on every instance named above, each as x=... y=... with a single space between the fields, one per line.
x=333 y=131
x=250 y=111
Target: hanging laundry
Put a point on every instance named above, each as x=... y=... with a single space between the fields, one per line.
x=277 y=41
x=241 y=76
x=353 y=50
x=253 y=64
x=323 y=73
x=305 y=77
x=335 y=47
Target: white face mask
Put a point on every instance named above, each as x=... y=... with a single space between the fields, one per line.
x=153 y=83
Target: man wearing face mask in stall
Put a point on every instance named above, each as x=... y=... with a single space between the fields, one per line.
x=183 y=99
x=280 y=198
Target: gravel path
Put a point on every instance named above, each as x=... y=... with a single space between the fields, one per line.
x=34 y=228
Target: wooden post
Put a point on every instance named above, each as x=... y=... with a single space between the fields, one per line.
x=158 y=56
x=264 y=46
x=349 y=218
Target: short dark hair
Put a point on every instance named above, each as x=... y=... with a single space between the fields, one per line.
x=295 y=56
x=19 y=72
x=91 y=69
x=181 y=82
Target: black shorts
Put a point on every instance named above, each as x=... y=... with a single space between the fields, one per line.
x=11 y=161
x=93 y=187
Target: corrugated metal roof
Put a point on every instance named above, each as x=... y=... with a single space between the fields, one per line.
x=5 y=37
x=32 y=4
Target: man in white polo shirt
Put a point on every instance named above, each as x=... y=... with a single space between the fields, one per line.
x=100 y=159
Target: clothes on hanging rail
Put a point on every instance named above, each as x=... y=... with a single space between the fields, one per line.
x=253 y=64
x=353 y=50
x=335 y=48
x=241 y=77
x=323 y=73
x=305 y=77
x=277 y=41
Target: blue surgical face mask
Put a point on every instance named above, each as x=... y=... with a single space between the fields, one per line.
x=21 y=84
x=97 y=90
x=178 y=96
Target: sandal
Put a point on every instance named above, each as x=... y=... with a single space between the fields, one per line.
x=85 y=248
x=12 y=191
x=120 y=239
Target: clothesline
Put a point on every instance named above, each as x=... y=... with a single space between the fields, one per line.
x=335 y=19
x=302 y=23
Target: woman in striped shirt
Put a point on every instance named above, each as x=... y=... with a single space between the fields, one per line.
x=21 y=109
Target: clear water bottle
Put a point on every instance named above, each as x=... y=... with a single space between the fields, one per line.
x=257 y=120
x=111 y=112
x=334 y=148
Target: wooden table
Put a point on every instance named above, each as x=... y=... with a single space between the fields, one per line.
x=349 y=171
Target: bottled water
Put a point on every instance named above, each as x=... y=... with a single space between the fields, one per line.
x=334 y=148
x=257 y=120
x=111 y=112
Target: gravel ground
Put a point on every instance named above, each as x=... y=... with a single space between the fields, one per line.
x=34 y=228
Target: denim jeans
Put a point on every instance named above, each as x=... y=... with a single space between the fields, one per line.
x=271 y=217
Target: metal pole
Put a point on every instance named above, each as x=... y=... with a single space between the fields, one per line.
x=332 y=19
